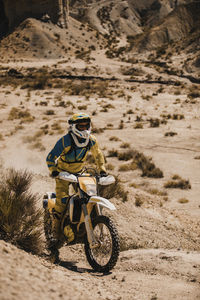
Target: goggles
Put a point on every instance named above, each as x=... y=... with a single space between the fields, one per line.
x=82 y=126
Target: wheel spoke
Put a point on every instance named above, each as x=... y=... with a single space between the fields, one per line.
x=102 y=253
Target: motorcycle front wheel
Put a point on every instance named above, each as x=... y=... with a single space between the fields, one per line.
x=104 y=257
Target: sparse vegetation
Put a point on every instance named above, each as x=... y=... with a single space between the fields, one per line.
x=24 y=115
x=126 y=155
x=114 y=138
x=20 y=219
x=138 y=201
x=128 y=167
x=114 y=190
x=170 y=133
x=125 y=145
x=154 y=122
x=138 y=126
x=147 y=166
x=183 y=200
x=177 y=182
x=140 y=160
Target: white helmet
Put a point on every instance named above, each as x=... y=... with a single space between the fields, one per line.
x=80 y=127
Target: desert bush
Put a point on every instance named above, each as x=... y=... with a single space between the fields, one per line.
x=183 y=200
x=130 y=111
x=82 y=107
x=170 y=133
x=154 y=122
x=20 y=219
x=155 y=191
x=140 y=160
x=50 y=112
x=24 y=115
x=147 y=166
x=177 y=182
x=113 y=153
x=125 y=145
x=56 y=126
x=114 y=190
x=43 y=103
x=178 y=116
x=114 y=138
x=38 y=145
x=109 y=167
x=128 y=167
x=138 y=126
x=138 y=201
x=121 y=124
x=97 y=130
x=126 y=155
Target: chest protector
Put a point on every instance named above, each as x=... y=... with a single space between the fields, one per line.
x=75 y=154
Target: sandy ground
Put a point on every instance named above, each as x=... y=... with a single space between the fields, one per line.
x=160 y=237
x=140 y=274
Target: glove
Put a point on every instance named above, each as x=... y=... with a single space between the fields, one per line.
x=54 y=174
x=103 y=174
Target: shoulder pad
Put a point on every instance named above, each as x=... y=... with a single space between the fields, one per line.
x=93 y=139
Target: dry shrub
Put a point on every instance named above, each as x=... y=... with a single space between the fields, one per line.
x=126 y=155
x=97 y=130
x=113 y=153
x=128 y=167
x=138 y=126
x=140 y=160
x=170 y=133
x=125 y=145
x=147 y=166
x=50 y=112
x=138 y=201
x=177 y=182
x=20 y=219
x=154 y=122
x=82 y=107
x=114 y=138
x=24 y=115
x=183 y=200
x=114 y=190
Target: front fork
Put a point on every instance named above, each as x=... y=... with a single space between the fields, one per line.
x=89 y=229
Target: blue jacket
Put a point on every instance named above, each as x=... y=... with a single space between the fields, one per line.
x=67 y=156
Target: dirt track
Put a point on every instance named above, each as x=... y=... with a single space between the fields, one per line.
x=139 y=274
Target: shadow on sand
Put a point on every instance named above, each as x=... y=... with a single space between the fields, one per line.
x=71 y=265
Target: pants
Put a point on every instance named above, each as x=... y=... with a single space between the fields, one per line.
x=62 y=194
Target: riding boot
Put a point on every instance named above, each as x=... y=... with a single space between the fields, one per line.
x=56 y=240
x=54 y=255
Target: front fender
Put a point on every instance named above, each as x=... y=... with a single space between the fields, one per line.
x=102 y=202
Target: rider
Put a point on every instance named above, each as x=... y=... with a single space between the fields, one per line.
x=69 y=154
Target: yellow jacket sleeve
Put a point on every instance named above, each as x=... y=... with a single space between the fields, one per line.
x=97 y=154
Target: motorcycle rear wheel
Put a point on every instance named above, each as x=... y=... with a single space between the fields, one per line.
x=103 y=258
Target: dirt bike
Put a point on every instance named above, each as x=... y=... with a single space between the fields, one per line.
x=84 y=215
